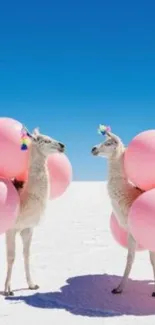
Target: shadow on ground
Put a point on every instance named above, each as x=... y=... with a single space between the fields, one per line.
x=90 y=295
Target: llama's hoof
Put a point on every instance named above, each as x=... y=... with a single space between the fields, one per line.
x=116 y=291
x=8 y=293
x=34 y=287
x=153 y=294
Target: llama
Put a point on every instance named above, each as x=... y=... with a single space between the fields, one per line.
x=33 y=197
x=122 y=193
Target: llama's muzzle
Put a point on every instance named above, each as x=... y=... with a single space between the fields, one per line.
x=94 y=151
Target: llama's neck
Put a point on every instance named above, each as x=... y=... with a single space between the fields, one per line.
x=37 y=182
x=116 y=168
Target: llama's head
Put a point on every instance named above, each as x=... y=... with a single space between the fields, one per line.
x=111 y=147
x=45 y=144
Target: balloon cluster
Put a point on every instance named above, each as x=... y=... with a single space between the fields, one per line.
x=139 y=165
x=14 y=148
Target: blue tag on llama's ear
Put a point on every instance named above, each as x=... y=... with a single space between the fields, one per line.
x=24 y=146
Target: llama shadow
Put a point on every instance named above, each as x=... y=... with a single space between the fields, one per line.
x=90 y=295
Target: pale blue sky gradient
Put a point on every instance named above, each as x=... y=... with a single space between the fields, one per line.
x=67 y=66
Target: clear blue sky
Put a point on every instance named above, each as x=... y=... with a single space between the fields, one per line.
x=67 y=66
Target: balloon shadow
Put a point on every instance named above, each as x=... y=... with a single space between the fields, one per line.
x=90 y=295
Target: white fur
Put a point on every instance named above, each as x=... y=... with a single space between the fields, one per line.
x=122 y=194
x=33 y=199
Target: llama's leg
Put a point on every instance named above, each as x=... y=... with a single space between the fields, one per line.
x=10 y=247
x=26 y=236
x=129 y=263
x=152 y=260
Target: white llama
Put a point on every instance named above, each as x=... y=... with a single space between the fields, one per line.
x=33 y=198
x=122 y=194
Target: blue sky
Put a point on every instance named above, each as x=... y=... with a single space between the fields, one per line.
x=67 y=66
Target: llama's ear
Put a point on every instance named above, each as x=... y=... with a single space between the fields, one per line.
x=108 y=135
x=114 y=137
x=35 y=132
x=24 y=129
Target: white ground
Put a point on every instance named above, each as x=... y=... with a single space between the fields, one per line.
x=76 y=263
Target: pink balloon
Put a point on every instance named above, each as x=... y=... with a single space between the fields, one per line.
x=142 y=219
x=9 y=205
x=13 y=161
x=60 y=174
x=120 y=234
x=139 y=160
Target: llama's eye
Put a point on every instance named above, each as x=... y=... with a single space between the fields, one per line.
x=107 y=144
x=47 y=141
